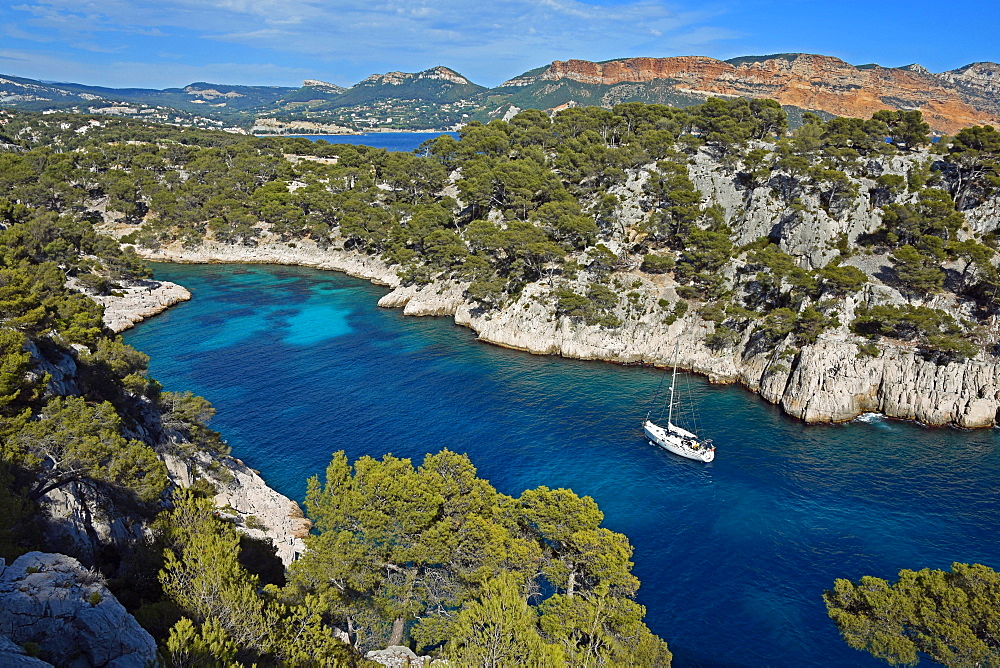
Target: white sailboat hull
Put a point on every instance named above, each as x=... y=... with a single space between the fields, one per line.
x=679 y=441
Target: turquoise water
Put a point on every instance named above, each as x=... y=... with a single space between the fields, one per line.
x=733 y=555
x=392 y=141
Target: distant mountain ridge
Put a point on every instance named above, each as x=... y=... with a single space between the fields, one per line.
x=949 y=101
x=440 y=97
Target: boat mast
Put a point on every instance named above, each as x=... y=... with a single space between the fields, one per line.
x=673 y=383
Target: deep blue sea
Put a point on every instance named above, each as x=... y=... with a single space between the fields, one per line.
x=392 y=141
x=733 y=556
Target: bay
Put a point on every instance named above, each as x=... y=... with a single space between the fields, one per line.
x=391 y=141
x=733 y=556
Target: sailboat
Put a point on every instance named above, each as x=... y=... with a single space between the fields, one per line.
x=673 y=438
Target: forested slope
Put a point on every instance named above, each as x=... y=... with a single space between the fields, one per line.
x=845 y=268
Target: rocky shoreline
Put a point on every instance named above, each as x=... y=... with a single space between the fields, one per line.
x=245 y=499
x=242 y=495
x=829 y=381
x=137 y=301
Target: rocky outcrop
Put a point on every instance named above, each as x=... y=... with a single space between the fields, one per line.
x=139 y=300
x=983 y=78
x=443 y=299
x=398 y=656
x=244 y=498
x=809 y=230
x=59 y=367
x=274 y=126
x=327 y=86
x=400 y=78
x=949 y=101
x=68 y=612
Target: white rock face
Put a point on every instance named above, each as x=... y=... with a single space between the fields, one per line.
x=807 y=232
x=51 y=600
x=434 y=299
x=826 y=382
x=258 y=510
x=398 y=656
x=278 y=518
x=139 y=300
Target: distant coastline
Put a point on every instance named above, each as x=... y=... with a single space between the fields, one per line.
x=404 y=141
x=374 y=131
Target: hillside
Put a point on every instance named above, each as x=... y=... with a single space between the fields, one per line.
x=440 y=98
x=432 y=99
x=949 y=101
x=199 y=104
x=609 y=234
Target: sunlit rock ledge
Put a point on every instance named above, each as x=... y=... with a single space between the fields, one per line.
x=139 y=300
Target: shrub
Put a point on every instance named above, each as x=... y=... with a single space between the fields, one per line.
x=657 y=264
x=721 y=337
x=869 y=350
x=252 y=522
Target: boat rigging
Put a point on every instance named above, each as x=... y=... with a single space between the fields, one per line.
x=673 y=438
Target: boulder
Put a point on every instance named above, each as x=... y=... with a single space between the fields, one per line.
x=65 y=609
x=398 y=656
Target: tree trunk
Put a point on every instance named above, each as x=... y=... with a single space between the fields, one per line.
x=397 y=632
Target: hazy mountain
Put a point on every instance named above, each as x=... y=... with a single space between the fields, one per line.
x=949 y=100
x=440 y=97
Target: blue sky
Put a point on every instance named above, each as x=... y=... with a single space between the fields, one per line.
x=161 y=43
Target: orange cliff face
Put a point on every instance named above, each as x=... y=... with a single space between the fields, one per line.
x=949 y=101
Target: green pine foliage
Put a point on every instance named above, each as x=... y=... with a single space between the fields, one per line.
x=229 y=619
x=435 y=555
x=935 y=330
x=950 y=617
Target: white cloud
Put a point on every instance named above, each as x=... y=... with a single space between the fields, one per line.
x=125 y=74
x=489 y=42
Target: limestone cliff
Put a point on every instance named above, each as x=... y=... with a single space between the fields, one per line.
x=245 y=499
x=828 y=381
x=949 y=101
x=275 y=126
x=137 y=301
